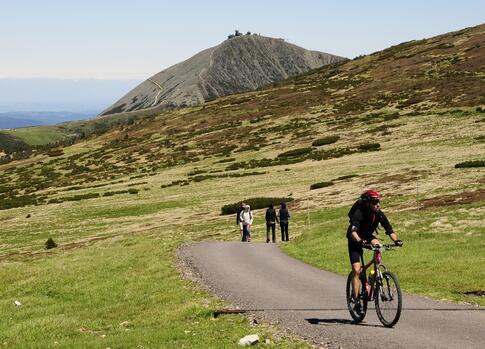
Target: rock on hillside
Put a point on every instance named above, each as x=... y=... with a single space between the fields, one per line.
x=242 y=63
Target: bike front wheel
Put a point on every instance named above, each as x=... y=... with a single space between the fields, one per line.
x=388 y=299
x=357 y=316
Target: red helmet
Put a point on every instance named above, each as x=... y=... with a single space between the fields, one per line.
x=370 y=195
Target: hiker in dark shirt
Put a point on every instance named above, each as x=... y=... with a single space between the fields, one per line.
x=271 y=220
x=284 y=216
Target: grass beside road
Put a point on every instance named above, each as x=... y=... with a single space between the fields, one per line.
x=442 y=256
x=119 y=293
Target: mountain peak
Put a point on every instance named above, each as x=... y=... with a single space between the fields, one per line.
x=240 y=63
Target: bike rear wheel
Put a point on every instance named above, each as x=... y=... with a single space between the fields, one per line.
x=388 y=299
x=358 y=317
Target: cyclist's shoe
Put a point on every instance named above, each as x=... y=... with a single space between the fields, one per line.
x=357 y=307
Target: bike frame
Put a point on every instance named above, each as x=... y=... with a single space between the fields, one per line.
x=376 y=262
x=382 y=288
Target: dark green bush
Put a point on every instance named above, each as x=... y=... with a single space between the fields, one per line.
x=196 y=172
x=201 y=178
x=225 y=160
x=473 y=163
x=320 y=185
x=55 y=152
x=295 y=152
x=81 y=197
x=369 y=147
x=345 y=177
x=325 y=140
x=255 y=203
x=20 y=201
x=179 y=182
x=50 y=244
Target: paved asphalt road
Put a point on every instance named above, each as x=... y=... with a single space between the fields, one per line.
x=310 y=302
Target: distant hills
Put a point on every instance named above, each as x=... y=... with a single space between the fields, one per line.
x=32 y=118
x=42 y=101
x=241 y=63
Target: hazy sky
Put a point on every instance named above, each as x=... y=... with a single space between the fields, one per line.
x=108 y=39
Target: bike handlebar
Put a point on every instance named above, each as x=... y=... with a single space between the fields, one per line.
x=380 y=247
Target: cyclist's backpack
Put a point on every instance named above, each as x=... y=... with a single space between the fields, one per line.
x=354 y=208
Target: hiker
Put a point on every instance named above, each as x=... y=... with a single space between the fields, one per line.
x=238 y=218
x=271 y=220
x=246 y=219
x=284 y=216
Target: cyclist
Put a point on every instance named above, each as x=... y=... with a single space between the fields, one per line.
x=365 y=217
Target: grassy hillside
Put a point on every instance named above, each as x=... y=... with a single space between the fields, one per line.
x=120 y=203
x=37 y=135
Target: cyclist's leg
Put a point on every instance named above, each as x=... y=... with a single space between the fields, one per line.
x=268 y=227
x=355 y=279
x=355 y=255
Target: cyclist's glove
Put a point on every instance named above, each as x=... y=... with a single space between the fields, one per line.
x=398 y=243
x=362 y=242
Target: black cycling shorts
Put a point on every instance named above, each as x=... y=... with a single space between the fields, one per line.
x=356 y=251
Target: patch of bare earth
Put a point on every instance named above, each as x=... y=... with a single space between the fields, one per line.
x=454 y=199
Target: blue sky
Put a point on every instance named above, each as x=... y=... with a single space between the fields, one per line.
x=107 y=39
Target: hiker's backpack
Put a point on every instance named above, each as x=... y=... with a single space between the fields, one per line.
x=284 y=214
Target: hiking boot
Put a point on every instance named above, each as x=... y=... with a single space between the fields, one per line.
x=267 y=240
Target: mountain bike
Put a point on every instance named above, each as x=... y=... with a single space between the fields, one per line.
x=381 y=287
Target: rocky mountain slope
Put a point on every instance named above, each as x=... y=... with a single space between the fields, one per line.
x=242 y=63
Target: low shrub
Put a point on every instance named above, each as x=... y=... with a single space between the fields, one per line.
x=325 y=140
x=369 y=147
x=20 y=201
x=225 y=160
x=295 y=152
x=473 y=163
x=50 y=244
x=178 y=182
x=345 y=177
x=255 y=203
x=81 y=197
x=320 y=185
x=196 y=172
x=201 y=178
